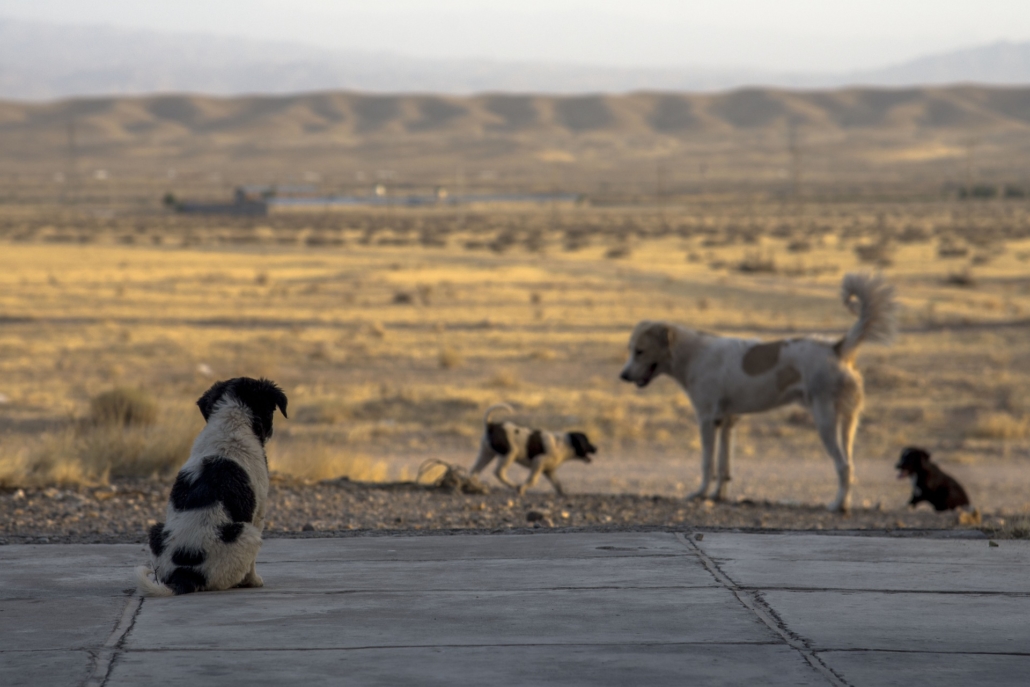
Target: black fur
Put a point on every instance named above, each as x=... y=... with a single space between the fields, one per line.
x=158 y=539
x=534 y=444
x=230 y=532
x=184 y=556
x=581 y=445
x=498 y=438
x=185 y=580
x=220 y=480
x=932 y=484
x=261 y=396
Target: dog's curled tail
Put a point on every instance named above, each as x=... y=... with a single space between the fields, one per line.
x=872 y=300
x=148 y=586
x=496 y=406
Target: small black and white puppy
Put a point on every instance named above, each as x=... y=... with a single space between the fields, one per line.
x=929 y=482
x=541 y=452
x=216 y=511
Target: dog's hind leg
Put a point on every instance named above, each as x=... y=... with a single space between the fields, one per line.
x=826 y=422
x=486 y=454
x=707 y=457
x=252 y=579
x=502 y=470
x=722 y=478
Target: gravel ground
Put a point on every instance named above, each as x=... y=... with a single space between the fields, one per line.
x=123 y=511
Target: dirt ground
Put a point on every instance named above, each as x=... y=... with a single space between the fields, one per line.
x=124 y=510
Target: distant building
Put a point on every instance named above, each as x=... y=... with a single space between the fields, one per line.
x=244 y=203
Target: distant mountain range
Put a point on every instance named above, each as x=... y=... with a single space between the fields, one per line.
x=49 y=61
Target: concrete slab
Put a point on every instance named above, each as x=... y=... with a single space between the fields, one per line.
x=95 y=570
x=246 y=619
x=488 y=574
x=799 y=561
x=43 y=623
x=34 y=668
x=906 y=669
x=584 y=608
x=906 y=621
x=565 y=665
x=464 y=547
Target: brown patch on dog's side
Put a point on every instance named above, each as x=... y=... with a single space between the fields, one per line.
x=787 y=377
x=762 y=358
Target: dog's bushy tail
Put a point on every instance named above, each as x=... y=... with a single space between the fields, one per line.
x=494 y=407
x=148 y=586
x=872 y=300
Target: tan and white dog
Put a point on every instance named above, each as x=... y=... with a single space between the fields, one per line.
x=541 y=452
x=728 y=377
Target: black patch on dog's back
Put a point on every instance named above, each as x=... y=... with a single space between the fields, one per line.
x=185 y=580
x=230 y=532
x=220 y=480
x=158 y=539
x=184 y=556
x=498 y=438
x=534 y=444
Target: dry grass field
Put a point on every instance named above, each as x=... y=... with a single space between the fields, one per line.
x=392 y=330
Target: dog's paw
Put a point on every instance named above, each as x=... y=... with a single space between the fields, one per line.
x=697 y=494
x=252 y=580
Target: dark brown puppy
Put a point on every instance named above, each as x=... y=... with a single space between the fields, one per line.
x=929 y=482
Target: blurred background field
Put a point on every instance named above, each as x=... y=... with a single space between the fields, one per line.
x=392 y=329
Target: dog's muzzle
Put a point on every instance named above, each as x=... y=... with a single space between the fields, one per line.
x=642 y=381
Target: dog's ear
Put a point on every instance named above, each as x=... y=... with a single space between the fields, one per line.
x=207 y=402
x=581 y=445
x=662 y=334
x=261 y=397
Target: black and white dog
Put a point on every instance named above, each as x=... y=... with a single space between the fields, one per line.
x=216 y=511
x=929 y=482
x=541 y=452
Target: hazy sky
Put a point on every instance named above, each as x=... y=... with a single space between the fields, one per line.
x=780 y=35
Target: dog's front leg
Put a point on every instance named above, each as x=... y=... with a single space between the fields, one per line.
x=707 y=457
x=725 y=453
x=549 y=474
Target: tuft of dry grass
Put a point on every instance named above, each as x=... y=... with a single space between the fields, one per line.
x=316 y=460
x=1000 y=426
x=122 y=407
x=449 y=358
x=94 y=453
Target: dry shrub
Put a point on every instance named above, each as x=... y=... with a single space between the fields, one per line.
x=122 y=407
x=1000 y=426
x=757 y=263
x=449 y=358
x=504 y=379
x=963 y=279
x=879 y=254
x=93 y=453
x=618 y=252
x=316 y=461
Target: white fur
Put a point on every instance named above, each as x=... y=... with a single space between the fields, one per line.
x=815 y=373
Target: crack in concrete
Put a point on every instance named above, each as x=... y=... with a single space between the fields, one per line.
x=752 y=600
x=112 y=647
